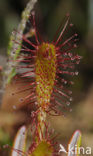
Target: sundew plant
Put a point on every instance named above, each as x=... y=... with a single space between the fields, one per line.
x=43 y=67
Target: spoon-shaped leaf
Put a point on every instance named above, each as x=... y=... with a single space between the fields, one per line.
x=74 y=144
x=19 y=142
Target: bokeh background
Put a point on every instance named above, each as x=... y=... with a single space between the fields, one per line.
x=51 y=13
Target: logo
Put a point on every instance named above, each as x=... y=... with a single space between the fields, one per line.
x=74 y=150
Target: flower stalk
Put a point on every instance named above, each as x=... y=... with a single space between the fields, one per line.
x=10 y=72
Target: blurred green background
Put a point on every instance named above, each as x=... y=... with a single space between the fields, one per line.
x=50 y=14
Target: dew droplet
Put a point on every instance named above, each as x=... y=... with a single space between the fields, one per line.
x=32 y=114
x=72 y=58
x=23 y=24
x=77 y=62
x=68 y=103
x=65 y=82
x=71 y=24
x=70 y=54
x=79 y=57
x=76 y=73
x=76 y=35
x=72 y=83
x=36 y=103
x=75 y=46
x=21 y=99
x=13 y=32
x=14 y=107
x=65 y=54
x=71 y=99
